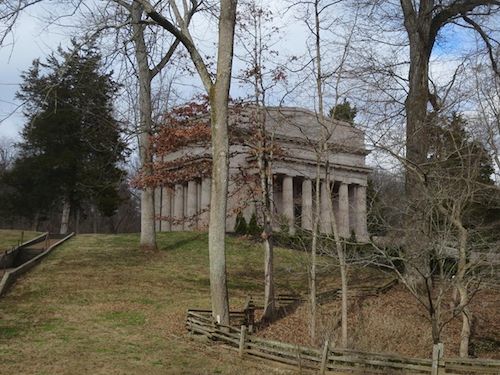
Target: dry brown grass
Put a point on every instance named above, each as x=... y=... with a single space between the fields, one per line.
x=394 y=323
x=97 y=305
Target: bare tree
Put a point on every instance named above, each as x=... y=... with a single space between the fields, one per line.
x=456 y=177
x=423 y=21
x=486 y=88
x=217 y=89
x=258 y=34
x=145 y=77
x=329 y=74
x=400 y=39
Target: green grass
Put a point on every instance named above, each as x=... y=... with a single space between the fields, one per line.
x=97 y=305
x=10 y=238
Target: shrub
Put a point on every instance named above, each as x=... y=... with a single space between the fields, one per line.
x=254 y=229
x=240 y=226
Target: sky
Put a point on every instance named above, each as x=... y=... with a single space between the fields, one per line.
x=32 y=39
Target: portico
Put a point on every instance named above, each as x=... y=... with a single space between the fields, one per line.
x=301 y=210
x=342 y=197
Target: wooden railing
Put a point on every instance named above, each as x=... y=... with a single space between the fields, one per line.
x=12 y=274
x=327 y=358
x=7 y=257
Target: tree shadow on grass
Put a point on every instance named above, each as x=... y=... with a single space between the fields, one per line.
x=183 y=242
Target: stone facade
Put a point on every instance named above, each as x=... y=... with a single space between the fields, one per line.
x=296 y=131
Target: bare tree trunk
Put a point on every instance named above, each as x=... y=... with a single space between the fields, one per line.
x=77 y=220
x=343 y=278
x=269 y=303
x=418 y=29
x=266 y=183
x=466 y=325
x=323 y=153
x=418 y=94
x=314 y=249
x=267 y=241
x=434 y=308
x=263 y=151
x=218 y=94
x=319 y=74
x=65 y=215
x=219 y=99
x=317 y=206
x=148 y=232
x=460 y=279
x=462 y=288
x=435 y=328
x=36 y=221
x=339 y=246
x=93 y=212
x=218 y=203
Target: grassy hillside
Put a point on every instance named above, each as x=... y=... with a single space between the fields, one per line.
x=99 y=306
x=10 y=238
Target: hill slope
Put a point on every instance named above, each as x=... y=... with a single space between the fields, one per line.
x=99 y=306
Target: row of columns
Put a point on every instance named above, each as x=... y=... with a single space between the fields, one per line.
x=186 y=206
x=344 y=207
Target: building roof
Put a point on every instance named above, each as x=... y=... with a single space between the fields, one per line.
x=301 y=124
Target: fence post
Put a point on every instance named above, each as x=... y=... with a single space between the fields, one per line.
x=249 y=311
x=252 y=316
x=243 y=334
x=245 y=310
x=215 y=325
x=299 y=359
x=437 y=355
x=324 y=357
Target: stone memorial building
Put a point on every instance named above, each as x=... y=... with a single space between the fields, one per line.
x=296 y=132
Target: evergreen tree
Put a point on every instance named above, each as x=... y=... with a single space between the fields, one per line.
x=458 y=163
x=71 y=145
x=344 y=112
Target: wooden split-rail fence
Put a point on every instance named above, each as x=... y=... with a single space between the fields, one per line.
x=355 y=291
x=240 y=336
x=288 y=300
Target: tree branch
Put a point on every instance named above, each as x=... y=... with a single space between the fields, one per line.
x=156 y=69
x=486 y=40
x=186 y=41
x=189 y=12
x=457 y=8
